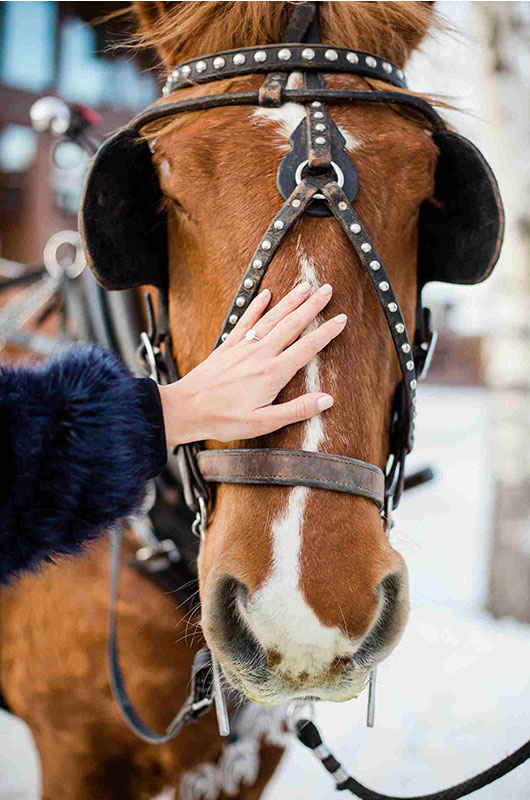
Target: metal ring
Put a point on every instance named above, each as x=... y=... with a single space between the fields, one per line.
x=52 y=263
x=251 y=336
x=338 y=172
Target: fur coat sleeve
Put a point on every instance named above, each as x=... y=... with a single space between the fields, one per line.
x=79 y=439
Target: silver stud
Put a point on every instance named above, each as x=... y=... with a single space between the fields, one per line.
x=201 y=66
x=308 y=54
x=371 y=62
x=175 y=74
x=400 y=327
x=232 y=319
x=296 y=203
x=392 y=307
x=387 y=67
x=186 y=70
x=366 y=248
x=260 y=56
x=413 y=384
x=219 y=62
x=410 y=365
x=239 y=59
x=405 y=348
x=343 y=206
x=257 y=263
x=284 y=54
x=318 y=115
x=224 y=337
x=316 y=104
x=240 y=301
x=424 y=346
x=384 y=286
x=266 y=244
x=375 y=265
x=331 y=55
x=355 y=227
x=353 y=58
x=166 y=90
x=320 y=140
x=248 y=283
x=400 y=74
x=279 y=224
x=320 y=126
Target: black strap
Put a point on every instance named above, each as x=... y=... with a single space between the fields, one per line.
x=308 y=735
x=200 y=698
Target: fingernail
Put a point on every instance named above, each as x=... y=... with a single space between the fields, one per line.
x=265 y=292
x=303 y=287
x=324 y=402
x=325 y=289
x=341 y=318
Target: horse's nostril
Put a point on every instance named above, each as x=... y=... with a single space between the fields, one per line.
x=229 y=629
x=389 y=623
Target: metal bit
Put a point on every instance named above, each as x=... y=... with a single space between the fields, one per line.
x=220 y=703
x=370 y=708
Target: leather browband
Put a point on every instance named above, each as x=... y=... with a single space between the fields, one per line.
x=294 y=468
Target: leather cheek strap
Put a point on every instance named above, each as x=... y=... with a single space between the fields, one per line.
x=294 y=468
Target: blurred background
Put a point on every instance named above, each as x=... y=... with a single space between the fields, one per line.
x=454 y=696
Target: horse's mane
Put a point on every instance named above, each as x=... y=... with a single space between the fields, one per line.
x=181 y=30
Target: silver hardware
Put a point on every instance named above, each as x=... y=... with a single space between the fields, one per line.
x=220 y=703
x=252 y=336
x=240 y=301
x=331 y=55
x=384 y=286
x=400 y=74
x=355 y=227
x=239 y=59
x=260 y=56
x=150 y=355
x=375 y=265
x=366 y=247
x=320 y=127
x=257 y=263
x=51 y=260
x=316 y=104
x=320 y=140
x=296 y=203
x=413 y=384
x=431 y=346
x=343 y=206
x=248 y=283
x=298 y=710
x=318 y=115
x=186 y=70
x=219 y=62
x=392 y=307
x=201 y=66
x=50 y=114
x=318 y=196
x=155 y=557
x=224 y=337
x=308 y=54
x=405 y=347
x=198 y=526
x=353 y=58
x=165 y=90
x=387 y=67
x=232 y=319
x=400 y=327
x=410 y=365
x=370 y=62
x=175 y=74
x=279 y=224
x=284 y=54
x=266 y=244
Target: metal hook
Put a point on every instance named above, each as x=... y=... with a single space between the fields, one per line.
x=198 y=526
x=223 y=720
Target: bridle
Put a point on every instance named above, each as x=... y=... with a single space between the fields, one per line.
x=316 y=167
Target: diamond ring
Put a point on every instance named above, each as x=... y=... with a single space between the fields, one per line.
x=252 y=336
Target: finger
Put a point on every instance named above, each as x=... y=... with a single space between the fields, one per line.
x=284 y=307
x=272 y=417
x=249 y=318
x=290 y=328
x=302 y=351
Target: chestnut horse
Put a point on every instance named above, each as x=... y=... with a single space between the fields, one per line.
x=316 y=568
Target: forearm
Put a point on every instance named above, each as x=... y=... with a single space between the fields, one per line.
x=81 y=439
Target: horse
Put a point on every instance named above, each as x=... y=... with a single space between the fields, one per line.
x=308 y=581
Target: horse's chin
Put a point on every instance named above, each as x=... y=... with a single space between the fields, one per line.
x=272 y=690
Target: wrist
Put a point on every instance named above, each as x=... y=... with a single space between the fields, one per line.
x=180 y=412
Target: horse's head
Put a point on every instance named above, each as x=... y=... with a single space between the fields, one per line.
x=300 y=589
x=301 y=592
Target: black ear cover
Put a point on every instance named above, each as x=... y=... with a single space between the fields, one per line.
x=461 y=229
x=122 y=220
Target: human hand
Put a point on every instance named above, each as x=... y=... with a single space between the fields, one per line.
x=230 y=395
